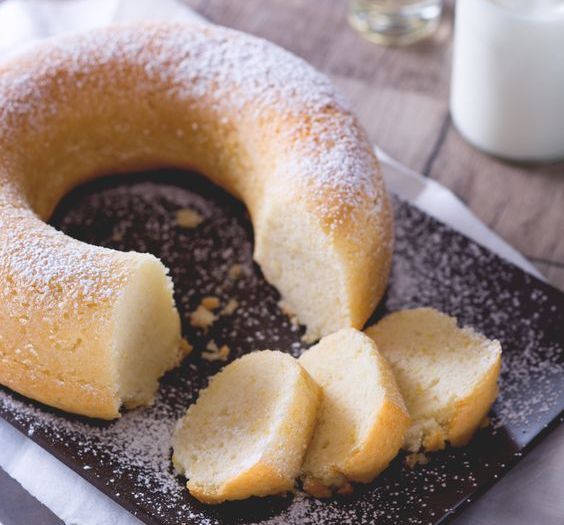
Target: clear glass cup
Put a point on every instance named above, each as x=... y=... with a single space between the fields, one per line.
x=395 y=22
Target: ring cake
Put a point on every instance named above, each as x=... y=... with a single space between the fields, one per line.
x=88 y=329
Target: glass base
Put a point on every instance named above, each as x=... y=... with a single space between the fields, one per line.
x=397 y=25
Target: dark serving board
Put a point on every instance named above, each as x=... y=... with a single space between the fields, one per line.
x=129 y=459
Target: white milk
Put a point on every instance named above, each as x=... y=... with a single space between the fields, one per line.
x=507 y=91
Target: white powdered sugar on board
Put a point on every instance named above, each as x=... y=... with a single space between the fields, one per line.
x=433 y=266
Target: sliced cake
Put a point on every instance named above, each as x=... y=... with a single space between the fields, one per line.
x=362 y=417
x=248 y=432
x=447 y=375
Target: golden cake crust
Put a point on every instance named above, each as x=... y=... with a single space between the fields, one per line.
x=258 y=121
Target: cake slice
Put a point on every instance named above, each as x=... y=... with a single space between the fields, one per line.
x=248 y=432
x=447 y=375
x=362 y=417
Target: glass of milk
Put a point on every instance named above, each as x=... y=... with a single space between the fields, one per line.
x=507 y=90
x=395 y=22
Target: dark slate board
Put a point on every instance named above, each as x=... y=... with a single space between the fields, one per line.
x=129 y=459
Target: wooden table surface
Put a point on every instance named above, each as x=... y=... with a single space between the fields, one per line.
x=401 y=97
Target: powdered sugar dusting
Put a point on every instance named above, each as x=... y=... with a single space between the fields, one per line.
x=433 y=266
x=50 y=263
x=221 y=71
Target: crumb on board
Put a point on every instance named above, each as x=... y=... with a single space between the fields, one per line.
x=418 y=458
x=307 y=338
x=230 y=307
x=346 y=489
x=187 y=218
x=317 y=489
x=185 y=347
x=215 y=353
x=235 y=271
x=201 y=317
x=211 y=302
x=434 y=440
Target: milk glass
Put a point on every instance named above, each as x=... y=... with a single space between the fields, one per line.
x=395 y=22
x=507 y=91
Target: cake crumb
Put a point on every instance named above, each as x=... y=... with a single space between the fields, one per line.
x=230 y=307
x=185 y=347
x=201 y=317
x=187 y=218
x=235 y=271
x=317 y=489
x=345 y=490
x=306 y=338
x=412 y=460
x=213 y=353
x=320 y=491
x=211 y=302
